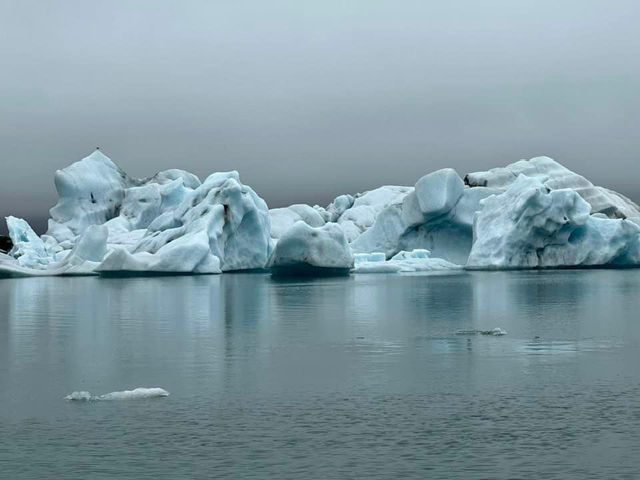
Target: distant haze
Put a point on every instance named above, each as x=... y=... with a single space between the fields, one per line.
x=308 y=100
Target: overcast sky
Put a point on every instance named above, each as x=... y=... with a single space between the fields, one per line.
x=310 y=99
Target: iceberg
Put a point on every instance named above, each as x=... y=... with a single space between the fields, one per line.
x=167 y=223
x=530 y=214
x=304 y=250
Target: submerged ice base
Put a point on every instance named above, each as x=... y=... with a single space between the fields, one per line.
x=530 y=214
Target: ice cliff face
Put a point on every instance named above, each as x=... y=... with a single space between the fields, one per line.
x=530 y=214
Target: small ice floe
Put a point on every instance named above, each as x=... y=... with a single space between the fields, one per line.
x=136 y=393
x=495 y=332
x=418 y=260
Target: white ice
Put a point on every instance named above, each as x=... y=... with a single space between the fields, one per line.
x=136 y=393
x=418 y=260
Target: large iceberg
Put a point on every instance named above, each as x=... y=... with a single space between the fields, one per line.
x=168 y=223
x=530 y=214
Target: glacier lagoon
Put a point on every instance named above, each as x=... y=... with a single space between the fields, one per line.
x=349 y=377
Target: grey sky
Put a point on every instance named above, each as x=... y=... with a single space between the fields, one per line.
x=308 y=100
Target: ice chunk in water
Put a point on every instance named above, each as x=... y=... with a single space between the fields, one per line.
x=136 y=393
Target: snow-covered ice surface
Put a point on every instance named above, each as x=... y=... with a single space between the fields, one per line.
x=530 y=214
x=136 y=393
x=418 y=260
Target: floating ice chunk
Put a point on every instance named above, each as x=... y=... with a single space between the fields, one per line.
x=375 y=262
x=496 y=332
x=80 y=396
x=303 y=247
x=137 y=393
x=418 y=260
x=374 y=257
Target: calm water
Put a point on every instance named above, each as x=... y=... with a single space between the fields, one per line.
x=359 y=377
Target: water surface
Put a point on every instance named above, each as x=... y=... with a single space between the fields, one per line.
x=352 y=377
